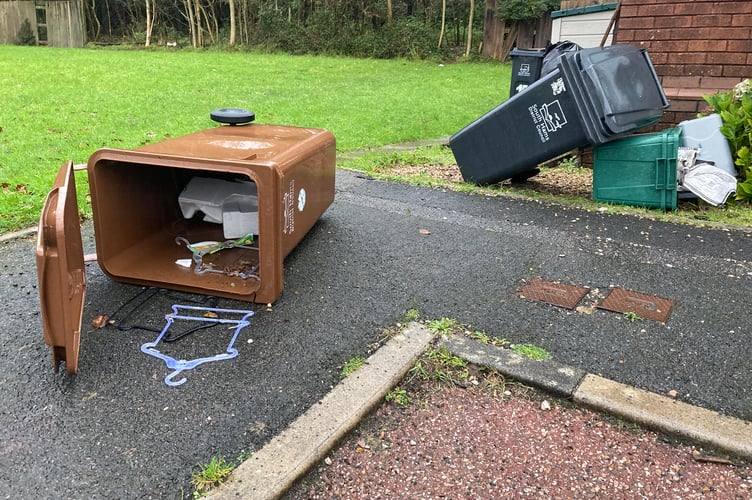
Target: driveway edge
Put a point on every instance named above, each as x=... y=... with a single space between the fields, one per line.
x=272 y=470
x=655 y=411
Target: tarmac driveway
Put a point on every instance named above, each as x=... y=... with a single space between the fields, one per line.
x=116 y=430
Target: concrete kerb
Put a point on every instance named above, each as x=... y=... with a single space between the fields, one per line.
x=273 y=470
x=655 y=411
x=287 y=457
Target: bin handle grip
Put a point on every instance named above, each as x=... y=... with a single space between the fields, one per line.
x=640 y=110
x=660 y=168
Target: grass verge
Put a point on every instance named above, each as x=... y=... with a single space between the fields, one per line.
x=434 y=166
x=64 y=104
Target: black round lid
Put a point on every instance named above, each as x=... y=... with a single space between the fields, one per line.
x=233 y=116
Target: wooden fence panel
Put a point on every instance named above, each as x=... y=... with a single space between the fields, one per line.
x=65 y=24
x=12 y=15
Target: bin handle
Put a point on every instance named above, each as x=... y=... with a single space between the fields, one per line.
x=660 y=168
x=639 y=110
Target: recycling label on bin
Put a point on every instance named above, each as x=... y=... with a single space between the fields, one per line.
x=549 y=117
x=288 y=202
x=524 y=70
x=291 y=200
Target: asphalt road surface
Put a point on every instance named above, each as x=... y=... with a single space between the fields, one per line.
x=116 y=430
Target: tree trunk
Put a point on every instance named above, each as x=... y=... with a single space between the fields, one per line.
x=149 y=21
x=199 y=24
x=98 y=26
x=389 y=12
x=470 y=29
x=192 y=22
x=232 y=23
x=493 y=31
x=443 y=22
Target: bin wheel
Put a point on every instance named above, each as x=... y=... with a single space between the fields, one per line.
x=520 y=178
x=233 y=116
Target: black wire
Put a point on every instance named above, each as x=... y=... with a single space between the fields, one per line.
x=147 y=293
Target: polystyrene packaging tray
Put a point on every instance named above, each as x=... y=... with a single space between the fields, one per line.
x=705 y=134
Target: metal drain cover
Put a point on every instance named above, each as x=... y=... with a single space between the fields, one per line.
x=557 y=294
x=643 y=305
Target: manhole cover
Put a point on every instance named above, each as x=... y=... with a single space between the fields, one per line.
x=641 y=304
x=557 y=294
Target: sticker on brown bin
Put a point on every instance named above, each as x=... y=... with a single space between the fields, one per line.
x=641 y=304
x=557 y=294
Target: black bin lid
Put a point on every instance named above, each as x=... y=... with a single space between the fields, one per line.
x=623 y=86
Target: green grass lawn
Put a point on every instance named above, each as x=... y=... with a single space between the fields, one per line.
x=60 y=104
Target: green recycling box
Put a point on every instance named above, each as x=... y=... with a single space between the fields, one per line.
x=639 y=170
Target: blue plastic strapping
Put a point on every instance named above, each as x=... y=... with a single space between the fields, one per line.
x=180 y=365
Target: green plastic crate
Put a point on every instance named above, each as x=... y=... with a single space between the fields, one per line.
x=639 y=170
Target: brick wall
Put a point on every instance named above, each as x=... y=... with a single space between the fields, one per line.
x=697 y=47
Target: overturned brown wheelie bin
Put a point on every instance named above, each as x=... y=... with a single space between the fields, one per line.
x=214 y=212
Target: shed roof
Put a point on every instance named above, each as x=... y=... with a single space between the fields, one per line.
x=583 y=10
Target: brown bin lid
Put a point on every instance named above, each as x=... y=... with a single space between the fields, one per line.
x=262 y=143
x=60 y=269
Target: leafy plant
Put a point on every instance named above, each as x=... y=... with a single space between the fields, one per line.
x=531 y=351
x=632 y=316
x=352 y=365
x=399 y=396
x=211 y=475
x=25 y=34
x=487 y=339
x=412 y=315
x=525 y=10
x=441 y=366
x=735 y=109
x=443 y=326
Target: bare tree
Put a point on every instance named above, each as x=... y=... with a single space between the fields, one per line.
x=470 y=28
x=151 y=14
x=232 y=23
x=443 y=23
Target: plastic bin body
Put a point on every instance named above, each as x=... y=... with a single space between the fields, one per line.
x=533 y=126
x=293 y=169
x=705 y=133
x=526 y=68
x=595 y=96
x=137 y=218
x=639 y=170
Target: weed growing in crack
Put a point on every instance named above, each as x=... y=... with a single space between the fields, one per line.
x=212 y=474
x=399 y=396
x=531 y=351
x=440 y=366
x=352 y=366
x=632 y=316
x=444 y=326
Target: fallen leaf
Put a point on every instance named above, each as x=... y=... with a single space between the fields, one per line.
x=100 y=321
x=88 y=396
x=585 y=309
x=424 y=231
x=211 y=314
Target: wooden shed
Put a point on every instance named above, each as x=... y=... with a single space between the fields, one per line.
x=584 y=25
x=57 y=23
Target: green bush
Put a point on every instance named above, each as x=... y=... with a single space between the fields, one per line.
x=735 y=108
x=25 y=34
x=275 y=32
x=406 y=37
